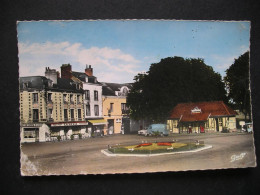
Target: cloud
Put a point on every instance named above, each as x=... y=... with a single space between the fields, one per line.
x=108 y=63
x=223 y=62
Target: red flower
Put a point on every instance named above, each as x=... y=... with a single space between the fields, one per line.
x=164 y=144
x=145 y=144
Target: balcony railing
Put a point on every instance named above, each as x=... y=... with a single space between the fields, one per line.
x=50 y=120
x=66 y=119
x=35 y=120
x=72 y=119
x=125 y=111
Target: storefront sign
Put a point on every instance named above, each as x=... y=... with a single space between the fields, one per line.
x=118 y=120
x=67 y=124
x=31 y=125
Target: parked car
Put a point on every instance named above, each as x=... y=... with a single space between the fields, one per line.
x=158 y=129
x=143 y=132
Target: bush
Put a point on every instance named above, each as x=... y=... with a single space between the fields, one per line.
x=72 y=137
x=59 y=138
x=80 y=136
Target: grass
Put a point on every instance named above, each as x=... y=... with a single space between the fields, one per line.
x=154 y=148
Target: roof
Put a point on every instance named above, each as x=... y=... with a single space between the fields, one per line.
x=110 y=89
x=33 y=82
x=66 y=84
x=203 y=110
x=41 y=83
x=80 y=75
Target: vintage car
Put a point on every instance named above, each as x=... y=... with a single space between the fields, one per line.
x=143 y=132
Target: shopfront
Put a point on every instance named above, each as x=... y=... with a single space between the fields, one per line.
x=65 y=130
x=34 y=132
x=97 y=127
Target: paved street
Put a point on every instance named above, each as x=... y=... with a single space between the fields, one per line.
x=84 y=156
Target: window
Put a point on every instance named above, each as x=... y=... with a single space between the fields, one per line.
x=111 y=107
x=35 y=97
x=125 y=91
x=124 y=108
x=72 y=114
x=71 y=98
x=79 y=113
x=49 y=114
x=78 y=99
x=49 y=97
x=30 y=133
x=35 y=115
x=87 y=95
x=96 y=110
x=64 y=97
x=88 y=113
x=66 y=114
x=96 y=95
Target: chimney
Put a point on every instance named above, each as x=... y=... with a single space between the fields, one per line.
x=66 y=72
x=51 y=74
x=58 y=74
x=89 y=70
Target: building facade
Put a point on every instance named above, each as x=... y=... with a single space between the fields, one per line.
x=92 y=98
x=50 y=107
x=115 y=111
x=201 y=117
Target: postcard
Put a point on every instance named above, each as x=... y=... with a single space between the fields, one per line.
x=134 y=96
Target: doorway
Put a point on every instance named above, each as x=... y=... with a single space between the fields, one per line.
x=110 y=126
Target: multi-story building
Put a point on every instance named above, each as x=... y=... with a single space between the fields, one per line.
x=51 y=107
x=115 y=111
x=92 y=98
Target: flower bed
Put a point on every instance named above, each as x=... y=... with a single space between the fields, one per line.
x=153 y=148
x=164 y=144
x=145 y=144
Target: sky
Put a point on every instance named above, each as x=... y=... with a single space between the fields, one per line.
x=119 y=49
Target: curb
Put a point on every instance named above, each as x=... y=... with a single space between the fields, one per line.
x=108 y=153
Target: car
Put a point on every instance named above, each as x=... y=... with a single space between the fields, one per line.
x=143 y=132
x=158 y=129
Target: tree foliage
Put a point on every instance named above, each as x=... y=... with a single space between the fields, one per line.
x=237 y=84
x=171 y=81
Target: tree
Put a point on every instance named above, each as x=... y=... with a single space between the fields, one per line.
x=237 y=84
x=171 y=81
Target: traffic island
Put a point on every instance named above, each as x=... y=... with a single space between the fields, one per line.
x=155 y=149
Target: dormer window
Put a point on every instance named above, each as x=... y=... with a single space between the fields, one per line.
x=196 y=110
x=25 y=85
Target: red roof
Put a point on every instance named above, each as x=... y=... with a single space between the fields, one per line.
x=202 y=111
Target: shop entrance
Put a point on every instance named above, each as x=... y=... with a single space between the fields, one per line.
x=110 y=126
x=31 y=133
x=126 y=125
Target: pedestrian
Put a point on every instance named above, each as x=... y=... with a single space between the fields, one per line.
x=190 y=129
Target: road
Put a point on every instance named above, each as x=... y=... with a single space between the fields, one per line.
x=231 y=150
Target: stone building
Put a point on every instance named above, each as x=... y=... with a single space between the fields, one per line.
x=201 y=117
x=50 y=107
x=92 y=97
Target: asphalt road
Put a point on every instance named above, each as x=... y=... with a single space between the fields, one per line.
x=84 y=156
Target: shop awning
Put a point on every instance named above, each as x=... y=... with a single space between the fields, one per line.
x=98 y=122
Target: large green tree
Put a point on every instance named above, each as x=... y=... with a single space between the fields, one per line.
x=171 y=81
x=237 y=84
